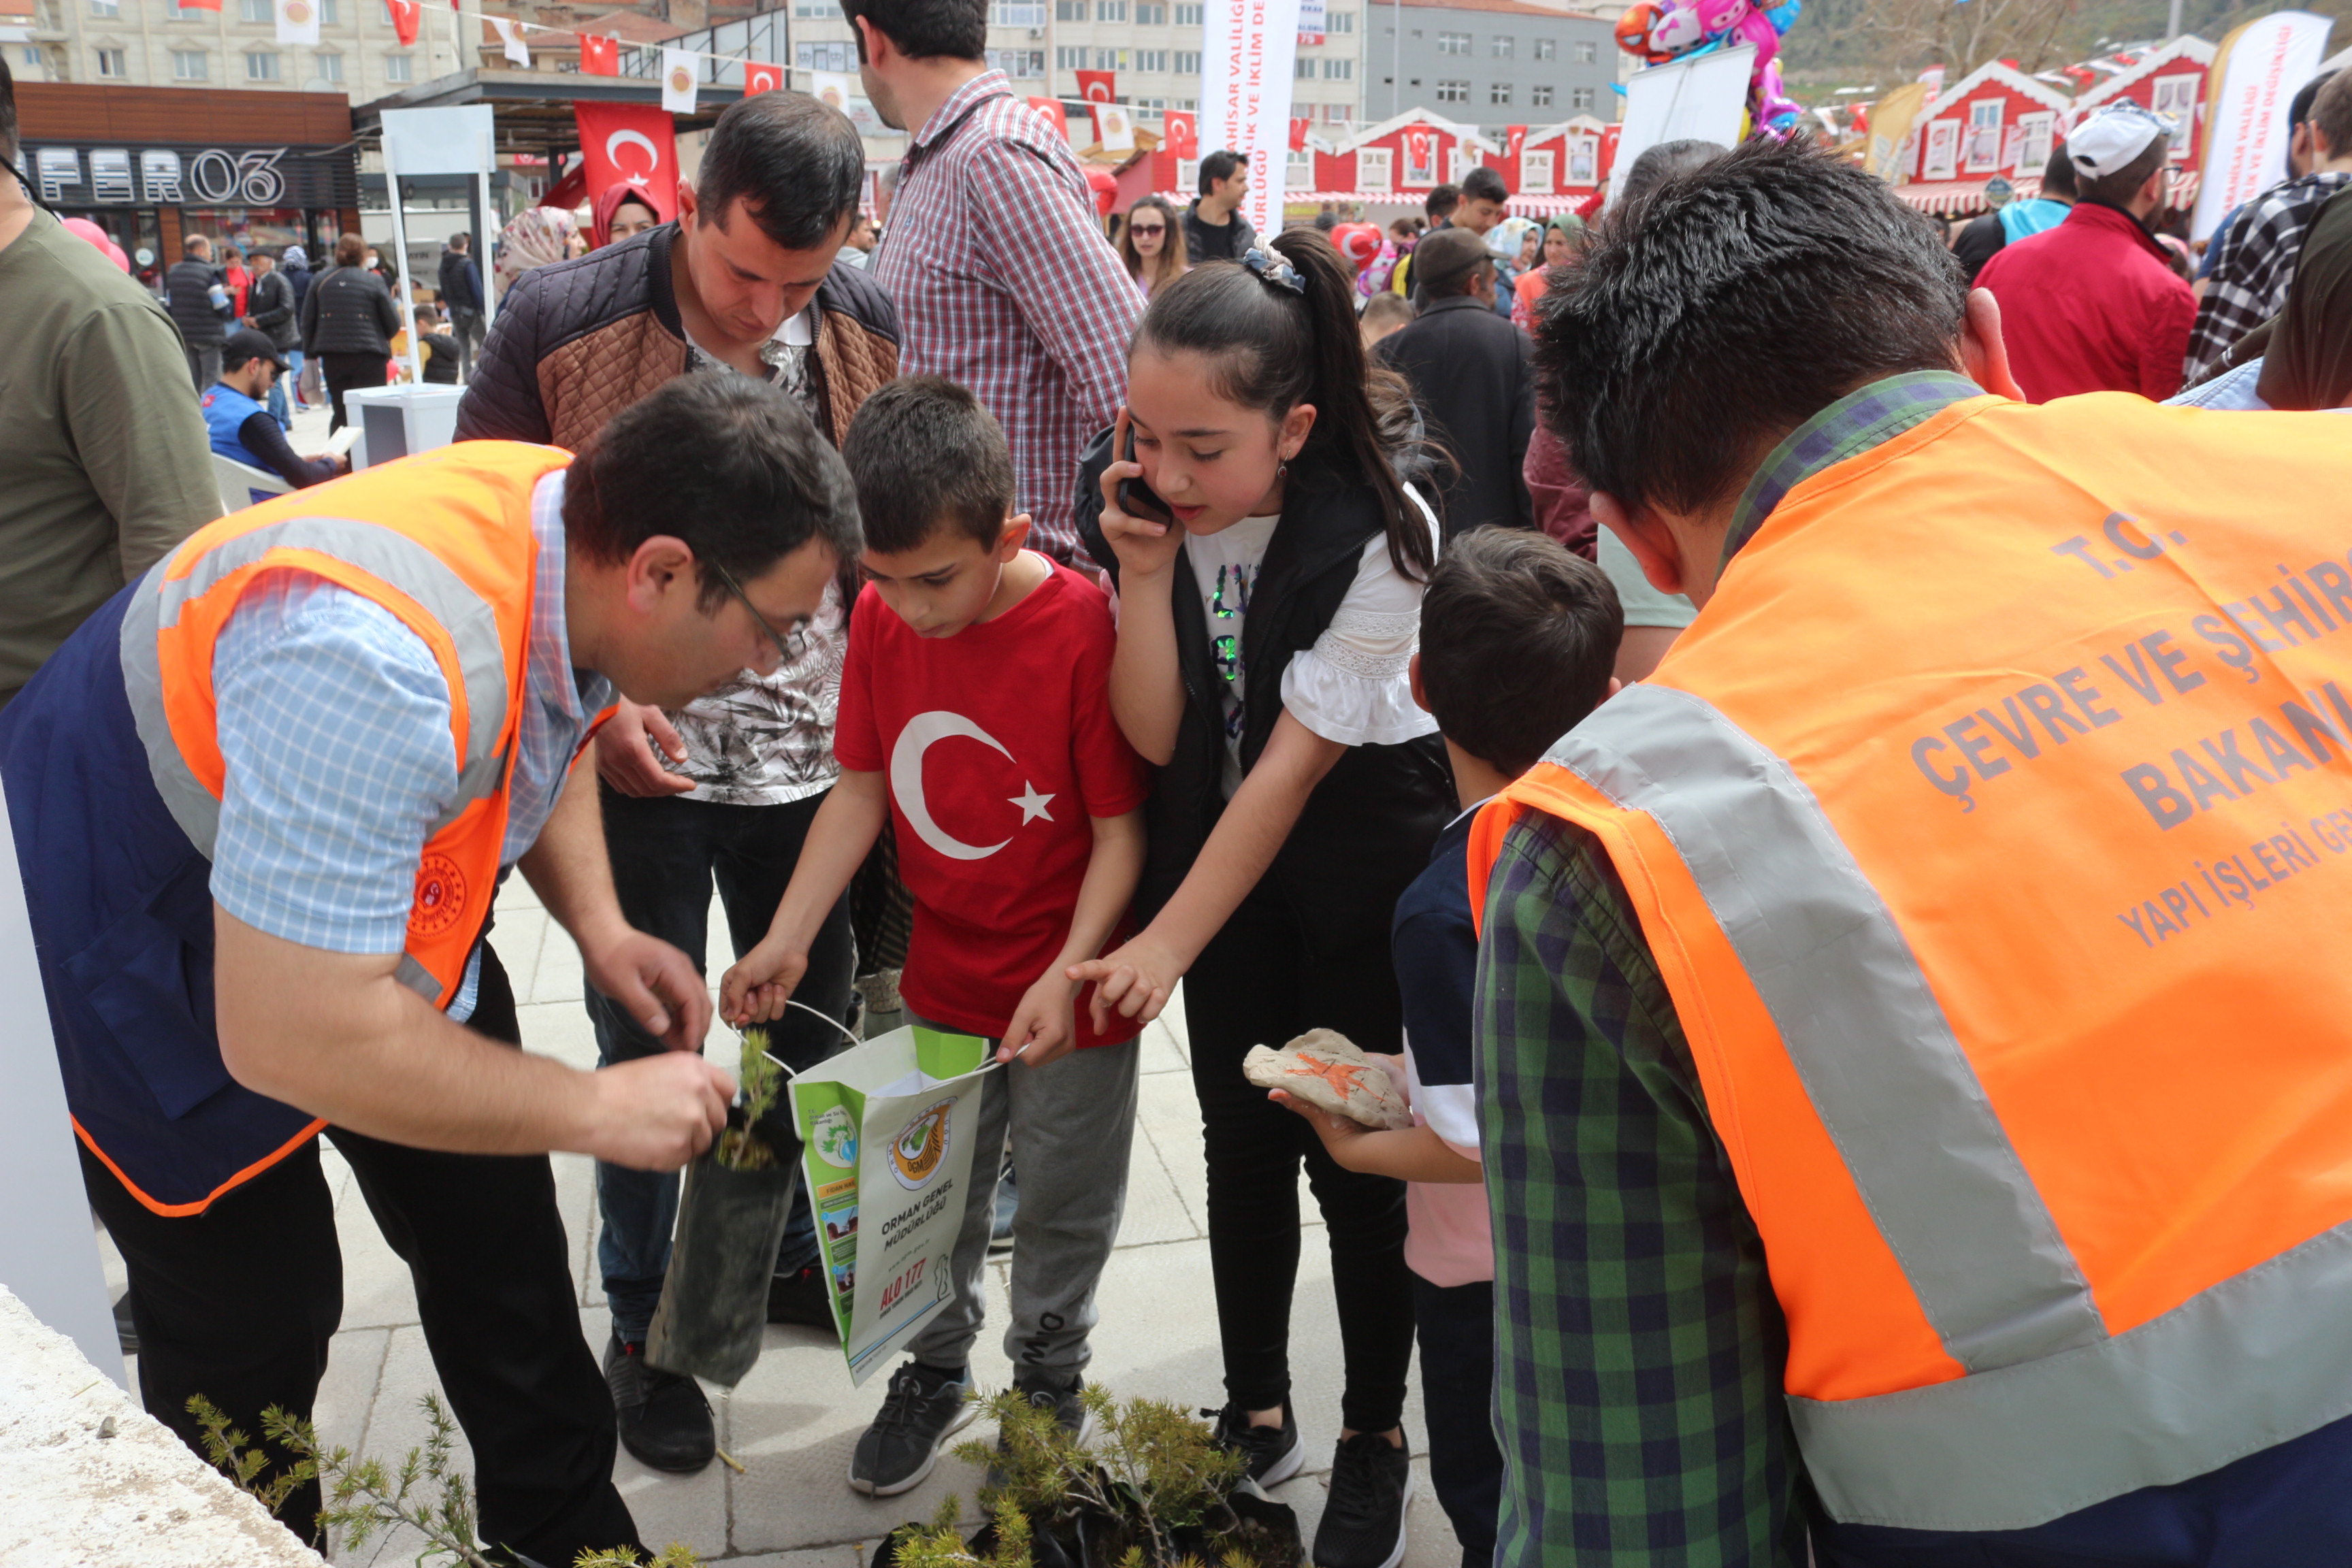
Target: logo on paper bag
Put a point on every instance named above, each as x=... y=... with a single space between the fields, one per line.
x=834 y=1136
x=440 y=896
x=922 y=1147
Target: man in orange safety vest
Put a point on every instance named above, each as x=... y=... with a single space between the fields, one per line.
x=1911 y=1041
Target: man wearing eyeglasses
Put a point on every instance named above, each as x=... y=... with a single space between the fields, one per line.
x=2094 y=305
x=262 y=802
x=748 y=281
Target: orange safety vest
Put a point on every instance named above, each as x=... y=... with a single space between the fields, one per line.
x=444 y=542
x=1993 y=829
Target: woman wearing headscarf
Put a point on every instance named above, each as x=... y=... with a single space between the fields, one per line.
x=1563 y=237
x=2308 y=362
x=621 y=212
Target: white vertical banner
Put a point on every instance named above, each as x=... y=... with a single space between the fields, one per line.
x=2260 y=66
x=681 y=76
x=1246 y=52
x=298 y=21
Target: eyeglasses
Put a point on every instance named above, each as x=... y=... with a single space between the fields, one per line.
x=1154 y=228
x=789 y=648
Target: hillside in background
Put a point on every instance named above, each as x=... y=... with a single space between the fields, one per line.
x=1860 y=42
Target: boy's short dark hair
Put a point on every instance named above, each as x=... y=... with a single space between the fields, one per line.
x=925 y=456
x=1218 y=166
x=730 y=465
x=1441 y=202
x=1519 y=634
x=1483 y=183
x=924 y=29
x=1388 y=306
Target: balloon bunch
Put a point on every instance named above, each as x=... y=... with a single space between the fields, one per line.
x=1663 y=30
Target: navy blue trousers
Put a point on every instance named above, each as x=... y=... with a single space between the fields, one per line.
x=1457 y=1325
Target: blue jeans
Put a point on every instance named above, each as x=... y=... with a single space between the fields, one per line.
x=277 y=400
x=666 y=853
x=1457 y=1325
x=293 y=376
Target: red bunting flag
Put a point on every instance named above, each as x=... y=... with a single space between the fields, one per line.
x=598 y=56
x=760 y=77
x=1298 y=133
x=1514 y=138
x=406 y=15
x=1095 y=87
x=1182 y=135
x=202 y=6
x=630 y=143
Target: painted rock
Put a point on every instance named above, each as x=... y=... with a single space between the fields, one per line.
x=1324 y=1069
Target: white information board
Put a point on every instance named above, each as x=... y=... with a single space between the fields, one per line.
x=1693 y=100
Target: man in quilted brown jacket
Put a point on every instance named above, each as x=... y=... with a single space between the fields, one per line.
x=745 y=281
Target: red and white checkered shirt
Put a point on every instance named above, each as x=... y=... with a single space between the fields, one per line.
x=1005 y=285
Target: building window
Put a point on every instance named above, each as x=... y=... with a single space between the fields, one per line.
x=187 y=65
x=110 y=65
x=396 y=69
x=1506 y=45
x=1302 y=69
x=1540 y=95
x=833 y=56
x=1189 y=15
x=1338 y=71
x=1453 y=91
x=105 y=8
x=1339 y=21
x=1018 y=62
x=2033 y=140
x=1500 y=93
x=331 y=66
x=1587 y=52
x=1188 y=61
x=1534 y=173
x=1151 y=16
x=1018 y=13
x=330 y=13
x=1068 y=58
x=1547 y=48
x=1982 y=147
x=1110 y=59
x=1452 y=43
x=260 y=64
x=1070 y=10
x=1580 y=98
x=255 y=11
x=1152 y=60
x=1372 y=168
x=1339 y=113
x=815 y=10
x=1110 y=10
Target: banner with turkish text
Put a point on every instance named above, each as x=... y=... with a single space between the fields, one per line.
x=406 y=15
x=760 y=77
x=1248 y=47
x=634 y=144
x=2257 y=71
x=599 y=57
x=1097 y=86
x=1312 y=22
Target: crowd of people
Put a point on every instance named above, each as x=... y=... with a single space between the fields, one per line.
x=1501 y=643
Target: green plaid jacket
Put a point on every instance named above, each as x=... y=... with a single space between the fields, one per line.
x=1639 y=1349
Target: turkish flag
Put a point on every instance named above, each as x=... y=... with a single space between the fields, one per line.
x=599 y=57
x=1055 y=115
x=406 y=15
x=1417 y=149
x=1298 y=133
x=1862 y=119
x=1095 y=87
x=202 y=6
x=1182 y=135
x=1514 y=138
x=630 y=143
x=759 y=77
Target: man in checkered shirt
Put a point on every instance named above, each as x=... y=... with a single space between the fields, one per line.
x=1004 y=281
x=2255 y=254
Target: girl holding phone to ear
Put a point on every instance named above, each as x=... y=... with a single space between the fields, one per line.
x=1269 y=565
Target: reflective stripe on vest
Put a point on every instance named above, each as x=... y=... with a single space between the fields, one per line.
x=2051 y=1186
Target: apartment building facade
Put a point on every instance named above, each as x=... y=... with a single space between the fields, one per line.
x=161 y=43
x=1492 y=63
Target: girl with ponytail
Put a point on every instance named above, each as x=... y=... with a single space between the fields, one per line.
x=1269 y=586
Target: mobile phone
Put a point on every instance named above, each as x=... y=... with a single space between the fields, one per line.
x=1139 y=499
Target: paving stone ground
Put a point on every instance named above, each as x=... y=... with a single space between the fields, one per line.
x=794 y=1420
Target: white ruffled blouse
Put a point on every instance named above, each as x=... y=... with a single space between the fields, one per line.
x=1354 y=687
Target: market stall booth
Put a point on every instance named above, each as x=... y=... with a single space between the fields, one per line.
x=1996 y=122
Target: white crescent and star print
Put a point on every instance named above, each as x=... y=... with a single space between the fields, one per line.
x=925 y=731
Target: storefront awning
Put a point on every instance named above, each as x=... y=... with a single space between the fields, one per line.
x=1961 y=198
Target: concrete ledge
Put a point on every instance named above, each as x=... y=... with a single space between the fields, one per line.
x=137 y=1499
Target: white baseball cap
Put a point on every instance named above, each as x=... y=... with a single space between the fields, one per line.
x=2119 y=134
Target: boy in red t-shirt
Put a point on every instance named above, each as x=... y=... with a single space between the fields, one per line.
x=975 y=711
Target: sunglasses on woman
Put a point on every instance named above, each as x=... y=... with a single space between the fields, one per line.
x=1147 y=228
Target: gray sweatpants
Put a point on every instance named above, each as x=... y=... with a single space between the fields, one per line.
x=1073 y=1123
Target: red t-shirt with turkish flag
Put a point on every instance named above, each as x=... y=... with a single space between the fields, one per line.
x=998 y=746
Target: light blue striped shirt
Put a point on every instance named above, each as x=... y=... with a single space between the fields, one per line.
x=334 y=725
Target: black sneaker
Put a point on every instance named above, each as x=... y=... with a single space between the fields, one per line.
x=922 y=1409
x=664 y=1420
x=1070 y=1412
x=800 y=1297
x=1275 y=1453
x=1363 y=1522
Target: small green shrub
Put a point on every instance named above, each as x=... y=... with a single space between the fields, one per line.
x=741 y=1148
